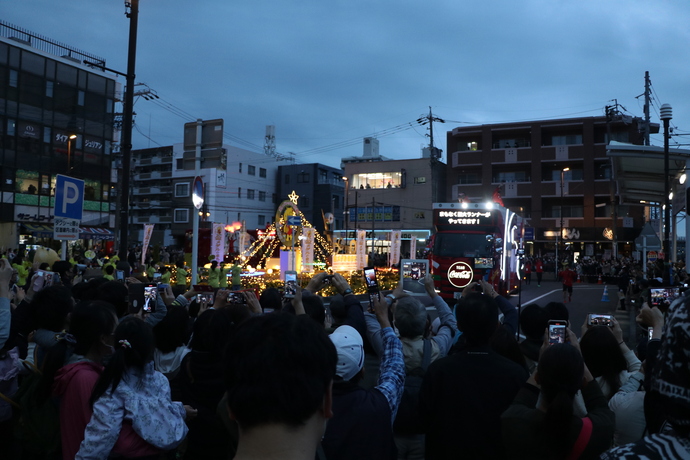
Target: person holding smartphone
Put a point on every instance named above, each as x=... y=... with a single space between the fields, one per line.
x=541 y=423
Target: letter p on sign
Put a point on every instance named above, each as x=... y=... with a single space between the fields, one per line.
x=69 y=197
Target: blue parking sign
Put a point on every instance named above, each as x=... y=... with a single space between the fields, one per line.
x=69 y=197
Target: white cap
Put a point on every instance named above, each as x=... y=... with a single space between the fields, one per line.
x=350 y=347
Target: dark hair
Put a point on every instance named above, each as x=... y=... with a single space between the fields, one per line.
x=270 y=298
x=213 y=328
x=557 y=310
x=560 y=372
x=109 y=269
x=338 y=309
x=504 y=343
x=477 y=316
x=313 y=307
x=51 y=306
x=214 y=264
x=62 y=266
x=603 y=356
x=115 y=293
x=533 y=321
x=134 y=346
x=88 y=322
x=410 y=317
x=278 y=368
x=171 y=332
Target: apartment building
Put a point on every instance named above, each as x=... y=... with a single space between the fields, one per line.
x=556 y=174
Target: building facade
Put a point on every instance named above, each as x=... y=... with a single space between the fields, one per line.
x=56 y=117
x=385 y=195
x=321 y=191
x=556 y=174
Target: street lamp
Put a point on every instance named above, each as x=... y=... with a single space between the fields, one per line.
x=69 y=151
x=347 y=210
x=561 y=232
x=666 y=115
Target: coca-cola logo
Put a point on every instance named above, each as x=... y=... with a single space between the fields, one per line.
x=460 y=274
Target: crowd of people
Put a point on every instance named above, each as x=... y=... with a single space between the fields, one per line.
x=86 y=374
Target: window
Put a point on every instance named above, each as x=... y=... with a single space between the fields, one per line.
x=262 y=172
x=240 y=167
x=49 y=88
x=251 y=170
x=420 y=180
x=377 y=180
x=47 y=133
x=262 y=220
x=14 y=78
x=304 y=201
x=181 y=216
x=287 y=178
x=262 y=196
x=179 y=164
x=239 y=192
x=323 y=176
x=182 y=189
x=568 y=139
x=336 y=202
x=469 y=178
x=303 y=178
x=250 y=194
x=80 y=98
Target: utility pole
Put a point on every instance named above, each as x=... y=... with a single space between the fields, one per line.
x=647 y=97
x=128 y=109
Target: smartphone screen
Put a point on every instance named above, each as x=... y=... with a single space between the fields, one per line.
x=156 y=276
x=600 y=320
x=236 y=297
x=150 y=294
x=557 y=332
x=290 y=284
x=120 y=275
x=207 y=296
x=370 y=279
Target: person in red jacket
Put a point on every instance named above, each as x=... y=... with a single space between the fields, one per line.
x=567 y=276
x=539 y=269
x=527 y=270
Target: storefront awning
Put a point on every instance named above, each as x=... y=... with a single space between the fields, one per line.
x=85 y=233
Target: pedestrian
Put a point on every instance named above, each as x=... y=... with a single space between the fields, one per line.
x=539 y=269
x=528 y=272
x=567 y=276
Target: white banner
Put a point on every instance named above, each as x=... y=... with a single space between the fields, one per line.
x=395 y=248
x=148 y=230
x=218 y=241
x=413 y=247
x=361 y=249
x=308 y=248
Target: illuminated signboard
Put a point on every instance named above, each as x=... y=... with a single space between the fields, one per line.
x=464 y=217
x=460 y=274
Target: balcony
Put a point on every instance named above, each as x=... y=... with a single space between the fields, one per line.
x=153 y=220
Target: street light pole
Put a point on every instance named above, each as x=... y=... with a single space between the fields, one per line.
x=70 y=138
x=347 y=211
x=666 y=115
x=561 y=231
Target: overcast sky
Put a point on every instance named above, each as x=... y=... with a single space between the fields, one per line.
x=327 y=73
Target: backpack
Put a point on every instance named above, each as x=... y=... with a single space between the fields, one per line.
x=37 y=424
x=408 y=421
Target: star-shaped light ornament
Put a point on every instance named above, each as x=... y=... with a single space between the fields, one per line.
x=293 y=197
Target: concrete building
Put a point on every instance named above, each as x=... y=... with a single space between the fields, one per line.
x=321 y=191
x=56 y=117
x=556 y=174
x=384 y=195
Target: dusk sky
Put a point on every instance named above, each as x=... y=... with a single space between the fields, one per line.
x=327 y=74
